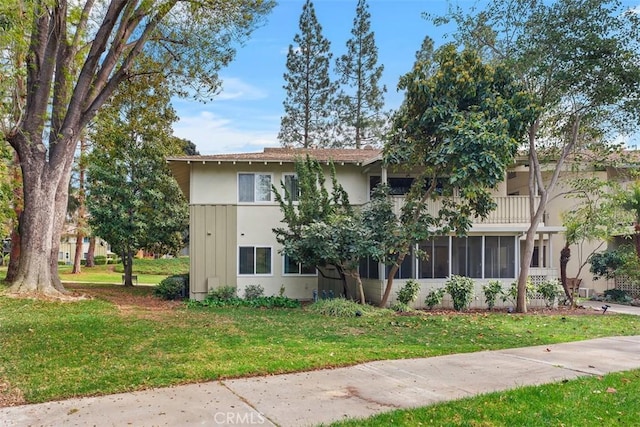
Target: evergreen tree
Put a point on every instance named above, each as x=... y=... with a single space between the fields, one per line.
x=360 y=105
x=134 y=201
x=307 y=108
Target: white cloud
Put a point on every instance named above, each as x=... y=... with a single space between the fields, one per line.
x=236 y=89
x=213 y=134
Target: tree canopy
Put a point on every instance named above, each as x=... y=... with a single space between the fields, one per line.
x=580 y=61
x=460 y=126
x=134 y=201
x=63 y=60
x=323 y=229
x=360 y=101
x=307 y=118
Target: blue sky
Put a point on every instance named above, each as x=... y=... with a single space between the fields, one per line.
x=246 y=114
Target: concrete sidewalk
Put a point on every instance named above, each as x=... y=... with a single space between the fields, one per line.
x=613 y=308
x=310 y=398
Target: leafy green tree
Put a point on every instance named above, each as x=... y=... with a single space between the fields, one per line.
x=307 y=118
x=460 y=126
x=596 y=217
x=580 y=60
x=134 y=201
x=323 y=229
x=61 y=61
x=315 y=204
x=360 y=102
x=631 y=203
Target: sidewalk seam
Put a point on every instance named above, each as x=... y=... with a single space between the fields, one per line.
x=243 y=399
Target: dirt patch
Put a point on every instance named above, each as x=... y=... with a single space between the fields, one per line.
x=127 y=299
x=10 y=396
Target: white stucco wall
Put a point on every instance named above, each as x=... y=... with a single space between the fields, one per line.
x=217 y=184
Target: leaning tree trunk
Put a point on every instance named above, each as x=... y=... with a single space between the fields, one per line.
x=392 y=272
x=565 y=255
x=77 y=265
x=14 y=257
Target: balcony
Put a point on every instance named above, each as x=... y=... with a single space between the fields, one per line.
x=509 y=210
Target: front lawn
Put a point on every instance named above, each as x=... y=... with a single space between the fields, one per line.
x=611 y=400
x=149 y=271
x=54 y=350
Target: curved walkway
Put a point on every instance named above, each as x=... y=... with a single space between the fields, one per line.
x=323 y=396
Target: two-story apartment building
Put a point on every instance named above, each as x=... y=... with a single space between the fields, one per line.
x=233 y=212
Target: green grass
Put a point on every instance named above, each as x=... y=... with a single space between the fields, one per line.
x=610 y=400
x=53 y=350
x=149 y=271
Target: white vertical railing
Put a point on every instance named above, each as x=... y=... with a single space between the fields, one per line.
x=509 y=210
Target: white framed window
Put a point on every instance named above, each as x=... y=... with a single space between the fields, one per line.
x=295 y=268
x=254 y=187
x=291 y=186
x=254 y=260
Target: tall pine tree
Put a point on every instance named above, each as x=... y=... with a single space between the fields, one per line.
x=361 y=100
x=307 y=118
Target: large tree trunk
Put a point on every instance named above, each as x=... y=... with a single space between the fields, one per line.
x=127 y=262
x=45 y=198
x=91 y=261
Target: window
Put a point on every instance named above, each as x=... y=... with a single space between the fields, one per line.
x=535 y=259
x=400 y=186
x=293 y=267
x=436 y=263
x=499 y=257
x=466 y=256
x=86 y=240
x=254 y=187
x=405 y=271
x=368 y=268
x=291 y=187
x=254 y=260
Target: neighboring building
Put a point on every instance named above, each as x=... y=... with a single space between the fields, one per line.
x=233 y=212
x=67 y=251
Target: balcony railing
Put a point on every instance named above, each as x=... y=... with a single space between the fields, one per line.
x=509 y=210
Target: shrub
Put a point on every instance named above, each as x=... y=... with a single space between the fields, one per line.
x=340 y=307
x=173 y=287
x=550 y=291
x=274 y=301
x=409 y=292
x=461 y=290
x=617 y=295
x=491 y=291
x=400 y=307
x=100 y=259
x=223 y=293
x=253 y=291
x=434 y=298
x=511 y=294
x=225 y=296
